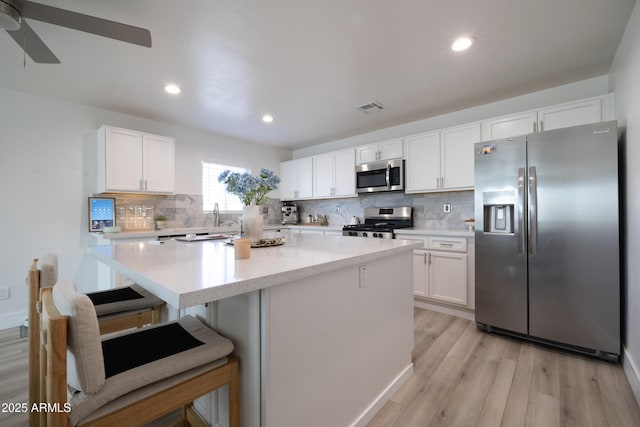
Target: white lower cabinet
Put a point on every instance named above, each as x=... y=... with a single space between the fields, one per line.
x=440 y=276
x=443 y=272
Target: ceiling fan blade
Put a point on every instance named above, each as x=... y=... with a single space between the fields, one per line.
x=33 y=45
x=86 y=23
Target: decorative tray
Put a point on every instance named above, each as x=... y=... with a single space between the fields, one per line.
x=264 y=243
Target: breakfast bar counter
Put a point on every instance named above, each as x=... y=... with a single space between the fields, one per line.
x=185 y=274
x=323 y=325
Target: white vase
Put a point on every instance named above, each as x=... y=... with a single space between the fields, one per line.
x=252 y=223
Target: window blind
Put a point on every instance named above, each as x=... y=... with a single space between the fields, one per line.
x=214 y=191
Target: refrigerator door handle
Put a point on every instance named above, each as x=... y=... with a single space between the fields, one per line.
x=533 y=211
x=521 y=203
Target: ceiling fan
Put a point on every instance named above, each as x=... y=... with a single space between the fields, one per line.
x=13 y=12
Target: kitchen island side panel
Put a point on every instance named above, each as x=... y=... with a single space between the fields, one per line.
x=334 y=345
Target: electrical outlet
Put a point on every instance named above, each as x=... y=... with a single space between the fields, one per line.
x=4 y=293
x=363 y=276
x=447 y=207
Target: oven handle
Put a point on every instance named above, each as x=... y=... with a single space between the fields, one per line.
x=388 y=176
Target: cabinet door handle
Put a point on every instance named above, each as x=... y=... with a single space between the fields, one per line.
x=425 y=258
x=535 y=127
x=140 y=186
x=541 y=126
x=429 y=258
x=145 y=185
x=449 y=245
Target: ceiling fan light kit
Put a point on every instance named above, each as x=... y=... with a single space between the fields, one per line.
x=9 y=17
x=13 y=12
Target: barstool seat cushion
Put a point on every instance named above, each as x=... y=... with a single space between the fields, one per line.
x=111 y=301
x=118 y=300
x=128 y=370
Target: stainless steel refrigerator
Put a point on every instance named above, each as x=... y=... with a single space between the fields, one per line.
x=547 y=238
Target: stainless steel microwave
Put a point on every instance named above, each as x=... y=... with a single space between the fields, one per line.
x=387 y=175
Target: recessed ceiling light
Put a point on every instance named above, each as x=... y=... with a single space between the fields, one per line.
x=172 y=89
x=267 y=118
x=462 y=43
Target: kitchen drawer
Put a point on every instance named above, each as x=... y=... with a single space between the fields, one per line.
x=456 y=244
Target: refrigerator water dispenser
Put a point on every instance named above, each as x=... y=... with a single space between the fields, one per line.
x=498 y=212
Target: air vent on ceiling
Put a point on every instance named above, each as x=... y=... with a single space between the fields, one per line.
x=371 y=106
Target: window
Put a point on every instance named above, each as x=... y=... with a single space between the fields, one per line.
x=214 y=191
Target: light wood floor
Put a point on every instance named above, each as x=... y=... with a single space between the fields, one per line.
x=462 y=377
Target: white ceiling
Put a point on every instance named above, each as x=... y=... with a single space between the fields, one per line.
x=310 y=63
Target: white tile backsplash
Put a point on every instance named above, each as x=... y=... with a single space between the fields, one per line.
x=185 y=210
x=428 y=209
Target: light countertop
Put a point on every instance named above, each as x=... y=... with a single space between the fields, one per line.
x=185 y=274
x=274 y=227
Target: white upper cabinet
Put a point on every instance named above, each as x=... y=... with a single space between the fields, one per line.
x=458 y=157
x=442 y=160
x=570 y=114
x=296 y=179
x=323 y=175
x=422 y=165
x=590 y=110
x=334 y=174
x=508 y=126
x=386 y=150
x=158 y=163
x=135 y=162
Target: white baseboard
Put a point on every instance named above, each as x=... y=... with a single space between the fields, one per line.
x=464 y=313
x=632 y=373
x=12 y=320
x=377 y=404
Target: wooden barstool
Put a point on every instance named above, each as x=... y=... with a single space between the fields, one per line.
x=120 y=308
x=130 y=379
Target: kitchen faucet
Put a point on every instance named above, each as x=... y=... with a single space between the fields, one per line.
x=216 y=215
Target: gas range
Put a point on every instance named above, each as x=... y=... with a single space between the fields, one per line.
x=379 y=223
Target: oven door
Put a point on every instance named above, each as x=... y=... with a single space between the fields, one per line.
x=380 y=176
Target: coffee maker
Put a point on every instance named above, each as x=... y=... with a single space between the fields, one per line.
x=289 y=213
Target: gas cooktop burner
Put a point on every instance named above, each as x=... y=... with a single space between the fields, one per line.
x=365 y=227
x=380 y=223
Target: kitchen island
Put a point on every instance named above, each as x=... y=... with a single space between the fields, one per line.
x=323 y=325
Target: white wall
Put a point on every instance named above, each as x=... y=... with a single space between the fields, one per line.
x=47 y=171
x=624 y=78
x=557 y=95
